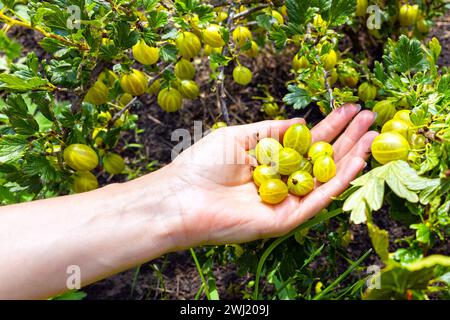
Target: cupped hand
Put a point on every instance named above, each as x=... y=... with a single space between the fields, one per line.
x=219 y=201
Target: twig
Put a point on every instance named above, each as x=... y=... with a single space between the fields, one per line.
x=250 y=11
x=94 y=75
x=328 y=87
x=130 y=104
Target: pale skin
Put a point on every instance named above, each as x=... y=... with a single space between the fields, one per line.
x=195 y=200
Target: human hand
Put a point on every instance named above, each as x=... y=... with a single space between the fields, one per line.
x=218 y=200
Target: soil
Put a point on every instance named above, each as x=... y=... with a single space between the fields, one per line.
x=175 y=276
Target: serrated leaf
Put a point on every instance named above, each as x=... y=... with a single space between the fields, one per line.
x=408 y=56
x=299 y=98
x=340 y=11
x=40 y=166
x=12 y=148
x=168 y=52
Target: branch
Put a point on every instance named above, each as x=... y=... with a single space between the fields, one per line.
x=250 y=11
x=76 y=105
x=130 y=104
x=328 y=87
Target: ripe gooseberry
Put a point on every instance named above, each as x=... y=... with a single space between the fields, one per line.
x=84 y=181
x=154 y=87
x=300 y=183
x=145 y=54
x=349 y=77
x=241 y=35
x=97 y=94
x=329 y=60
x=385 y=111
x=134 y=83
x=408 y=15
x=324 y=168
x=170 y=99
x=417 y=141
x=361 y=8
x=113 y=163
x=189 y=89
x=273 y=191
x=184 y=70
x=80 y=157
x=267 y=150
x=306 y=165
x=395 y=125
x=242 y=75
x=288 y=161
x=297 y=137
x=264 y=172
x=390 y=146
x=188 y=44
x=278 y=17
x=404 y=115
x=253 y=51
x=318 y=149
x=212 y=36
x=270 y=109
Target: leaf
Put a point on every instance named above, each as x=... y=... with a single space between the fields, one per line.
x=264 y=21
x=408 y=55
x=299 y=98
x=297 y=10
x=157 y=19
x=40 y=166
x=380 y=241
x=13 y=82
x=12 y=148
x=396 y=280
x=168 y=52
x=422 y=232
x=19 y=118
x=278 y=36
x=219 y=59
x=435 y=48
x=124 y=37
x=340 y=11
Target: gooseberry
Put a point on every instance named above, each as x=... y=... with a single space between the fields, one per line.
x=390 y=146
x=145 y=54
x=318 y=149
x=408 y=15
x=218 y=125
x=184 y=70
x=134 y=83
x=188 y=44
x=299 y=62
x=271 y=109
x=212 y=36
x=170 y=99
x=324 y=168
x=300 y=183
x=264 y=172
x=329 y=60
x=97 y=94
x=241 y=35
x=404 y=115
x=385 y=111
x=267 y=150
x=80 y=157
x=361 y=8
x=113 y=163
x=154 y=87
x=242 y=75
x=417 y=141
x=367 y=92
x=253 y=51
x=395 y=125
x=288 y=161
x=84 y=181
x=297 y=137
x=273 y=191
x=189 y=89
x=349 y=77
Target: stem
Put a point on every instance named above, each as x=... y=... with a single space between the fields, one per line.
x=200 y=272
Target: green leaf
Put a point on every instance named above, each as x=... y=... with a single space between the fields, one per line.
x=396 y=280
x=408 y=56
x=40 y=166
x=168 y=52
x=13 y=82
x=278 y=36
x=299 y=98
x=12 y=148
x=124 y=37
x=340 y=11
x=264 y=21
x=380 y=241
x=422 y=232
x=157 y=19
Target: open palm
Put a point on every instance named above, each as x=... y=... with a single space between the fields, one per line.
x=216 y=191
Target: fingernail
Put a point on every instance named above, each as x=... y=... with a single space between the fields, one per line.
x=375 y=116
x=358 y=107
x=365 y=165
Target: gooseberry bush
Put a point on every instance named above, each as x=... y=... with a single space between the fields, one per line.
x=66 y=104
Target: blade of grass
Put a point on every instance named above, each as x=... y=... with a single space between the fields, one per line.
x=308 y=224
x=135 y=276
x=200 y=272
x=342 y=276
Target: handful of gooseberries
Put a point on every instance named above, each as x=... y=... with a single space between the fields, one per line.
x=292 y=166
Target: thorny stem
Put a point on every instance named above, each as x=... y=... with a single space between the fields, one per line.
x=249 y=11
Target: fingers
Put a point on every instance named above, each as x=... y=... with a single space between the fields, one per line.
x=357 y=128
x=252 y=133
x=321 y=197
x=329 y=128
x=360 y=149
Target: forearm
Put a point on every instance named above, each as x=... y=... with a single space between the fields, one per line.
x=102 y=232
